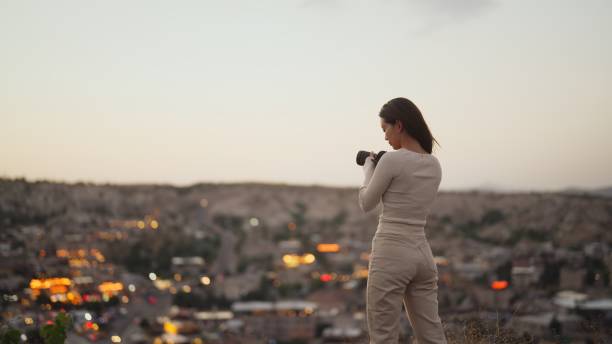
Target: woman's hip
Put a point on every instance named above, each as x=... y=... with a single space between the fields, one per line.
x=397 y=254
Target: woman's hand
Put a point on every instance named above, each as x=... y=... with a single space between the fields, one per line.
x=371 y=157
x=369 y=162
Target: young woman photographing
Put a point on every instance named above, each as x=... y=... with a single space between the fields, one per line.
x=401 y=267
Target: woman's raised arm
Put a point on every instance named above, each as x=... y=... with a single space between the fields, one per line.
x=376 y=181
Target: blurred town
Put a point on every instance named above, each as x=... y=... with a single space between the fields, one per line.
x=255 y=263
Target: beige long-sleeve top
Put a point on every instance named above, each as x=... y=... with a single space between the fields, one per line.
x=407 y=183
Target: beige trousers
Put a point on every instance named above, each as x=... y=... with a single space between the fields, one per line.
x=402 y=269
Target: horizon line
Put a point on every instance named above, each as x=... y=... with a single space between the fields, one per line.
x=296 y=184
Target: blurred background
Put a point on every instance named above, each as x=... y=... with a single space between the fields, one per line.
x=185 y=172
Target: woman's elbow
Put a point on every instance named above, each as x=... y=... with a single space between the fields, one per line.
x=365 y=205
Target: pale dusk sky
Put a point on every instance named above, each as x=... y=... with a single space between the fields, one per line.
x=516 y=92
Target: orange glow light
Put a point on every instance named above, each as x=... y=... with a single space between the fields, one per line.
x=49 y=282
x=328 y=248
x=170 y=328
x=294 y=260
x=78 y=263
x=62 y=253
x=58 y=289
x=35 y=284
x=74 y=298
x=110 y=287
x=308 y=258
x=291 y=260
x=361 y=273
x=499 y=285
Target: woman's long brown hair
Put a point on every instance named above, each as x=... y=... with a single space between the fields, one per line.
x=403 y=110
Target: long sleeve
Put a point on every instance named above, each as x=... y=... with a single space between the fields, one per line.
x=376 y=182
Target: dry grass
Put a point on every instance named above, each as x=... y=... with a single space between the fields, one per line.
x=475 y=331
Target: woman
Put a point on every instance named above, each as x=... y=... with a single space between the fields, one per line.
x=401 y=263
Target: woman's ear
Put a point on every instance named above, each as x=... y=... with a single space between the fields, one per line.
x=400 y=126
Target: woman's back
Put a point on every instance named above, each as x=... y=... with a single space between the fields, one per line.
x=402 y=266
x=407 y=182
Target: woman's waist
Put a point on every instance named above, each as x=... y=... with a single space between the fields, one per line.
x=400 y=233
x=392 y=219
x=413 y=215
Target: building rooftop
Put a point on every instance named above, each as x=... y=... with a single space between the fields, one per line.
x=272 y=306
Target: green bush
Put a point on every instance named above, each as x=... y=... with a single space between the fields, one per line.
x=54 y=333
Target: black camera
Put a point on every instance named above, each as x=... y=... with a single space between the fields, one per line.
x=363 y=155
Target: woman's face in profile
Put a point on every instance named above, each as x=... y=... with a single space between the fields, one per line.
x=392 y=133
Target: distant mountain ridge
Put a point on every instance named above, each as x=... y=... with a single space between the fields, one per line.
x=604 y=191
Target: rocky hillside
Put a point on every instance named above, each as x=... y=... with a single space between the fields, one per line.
x=568 y=220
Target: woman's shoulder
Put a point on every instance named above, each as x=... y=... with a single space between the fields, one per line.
x=416 y=160
x=391 y=161
x=392 y=156
x=404 y=154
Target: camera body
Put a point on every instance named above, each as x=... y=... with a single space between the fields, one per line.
x=363 y=155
